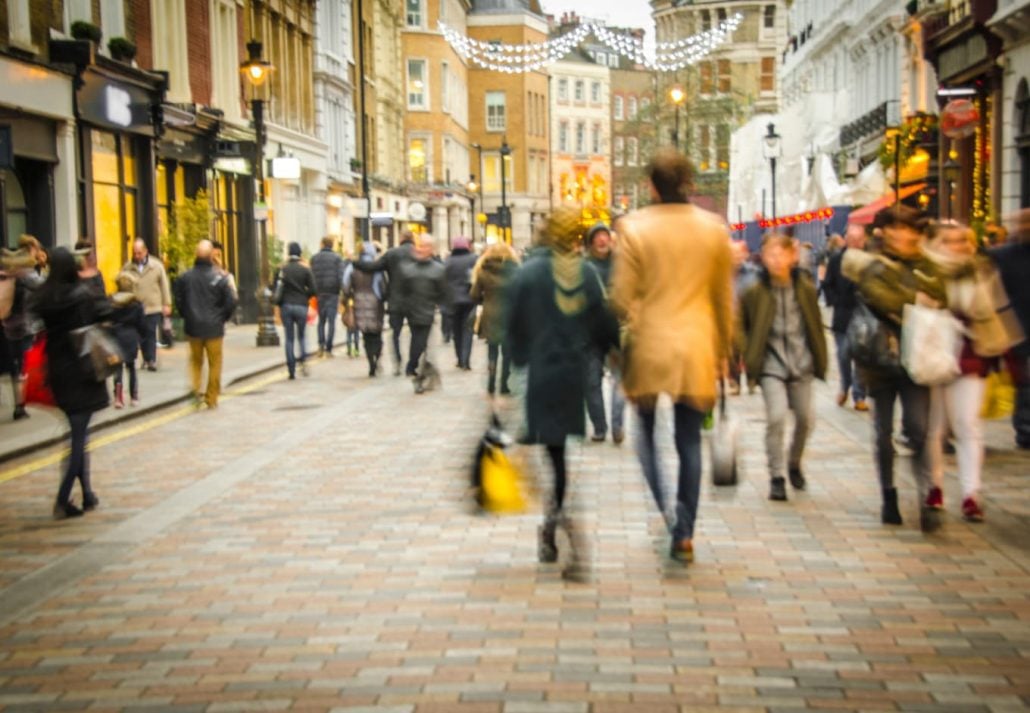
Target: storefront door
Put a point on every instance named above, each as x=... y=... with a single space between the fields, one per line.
x=115 y=200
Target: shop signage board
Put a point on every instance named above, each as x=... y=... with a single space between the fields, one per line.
x=114 y=105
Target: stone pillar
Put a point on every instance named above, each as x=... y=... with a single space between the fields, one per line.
x=66 y=201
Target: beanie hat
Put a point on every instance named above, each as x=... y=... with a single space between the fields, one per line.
x=294 y=249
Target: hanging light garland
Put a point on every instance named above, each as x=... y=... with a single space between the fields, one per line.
x=518 y=59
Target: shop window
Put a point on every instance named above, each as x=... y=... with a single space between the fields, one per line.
x=418 y=160
x=16 y=212
x=115 y=200
x=226 y=207
x=492 y=173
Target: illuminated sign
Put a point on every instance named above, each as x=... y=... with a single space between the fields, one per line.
x=286 y=167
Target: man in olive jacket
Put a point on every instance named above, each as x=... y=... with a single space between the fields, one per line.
x=784 y=347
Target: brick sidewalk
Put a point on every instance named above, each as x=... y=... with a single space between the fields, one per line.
x=305 y=547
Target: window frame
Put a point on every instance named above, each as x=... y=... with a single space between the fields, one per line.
x=503 y=110
x=618 y=108
x=408 y=13
x=426 y=104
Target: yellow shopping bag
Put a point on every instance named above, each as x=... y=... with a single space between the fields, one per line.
x=502 y=482
x=999 y=396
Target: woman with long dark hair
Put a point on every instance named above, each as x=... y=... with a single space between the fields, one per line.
x=66 y=303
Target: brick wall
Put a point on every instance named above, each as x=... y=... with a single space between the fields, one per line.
x=138 y=31
x=198 y=31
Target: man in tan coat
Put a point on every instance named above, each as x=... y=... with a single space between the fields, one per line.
x=672 y=284
x=152 y=289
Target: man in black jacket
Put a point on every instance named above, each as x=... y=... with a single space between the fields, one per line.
x=391 y=263
x=840 y=294
x=327 y=267
x=458 y=269
x=295 y=287
x=206 y=302
x=424 y=282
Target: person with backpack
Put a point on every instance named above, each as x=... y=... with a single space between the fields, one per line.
x=784 y=348
x=901 y=274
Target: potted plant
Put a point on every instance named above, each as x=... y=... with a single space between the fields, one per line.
x=189 y=222
x=355 y=164
x=82 y=30
x=121 y=49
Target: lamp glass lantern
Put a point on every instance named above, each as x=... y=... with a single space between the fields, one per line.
x=256 y=69
x=771 y=142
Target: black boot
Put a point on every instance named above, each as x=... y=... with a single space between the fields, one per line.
x=547 y=549
x=890 y=515
x=797 y=478
x=778 y=489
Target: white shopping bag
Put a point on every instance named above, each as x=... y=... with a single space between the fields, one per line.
x=931 y=343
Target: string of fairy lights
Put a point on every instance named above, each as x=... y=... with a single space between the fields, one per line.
x=519 y=59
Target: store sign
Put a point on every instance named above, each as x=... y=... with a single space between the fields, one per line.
x=119 y=106
x=286 y=167
x=959 y=119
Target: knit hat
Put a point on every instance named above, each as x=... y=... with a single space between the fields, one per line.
x=294 y=249
x=564 y=229
x=598 y=227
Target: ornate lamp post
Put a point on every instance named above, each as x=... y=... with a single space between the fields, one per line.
x=505 y=216
x=677 y=96
x=771 y=149
x=472 y=187
x=256 y=70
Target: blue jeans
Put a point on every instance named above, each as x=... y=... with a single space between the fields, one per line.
x=327 y=309
x=595 y=396
x=295 y=318
x=849 y=378
x=148 y=344
x=688 y=447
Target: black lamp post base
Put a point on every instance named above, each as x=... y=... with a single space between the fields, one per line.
x=267 y=334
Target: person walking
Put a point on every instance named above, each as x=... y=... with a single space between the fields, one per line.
x=24 y=270
x=66 y=304
x=458 y=269
x=206 y=302
x=89 y=271
x=901 y=274
x=130 y=328
x=391 y=263
x=784 y=347
x=1012 y=261
x=557 y=318
x=490 y=279
x=295 y=286
x=367 y=291
x=840 y=294
x=327 y=267
x=679 y=326
x=598 y=243
x=424 y=288
x=154 y=292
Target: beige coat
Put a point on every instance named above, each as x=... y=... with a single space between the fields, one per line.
x=152 y=289
x=672 y=283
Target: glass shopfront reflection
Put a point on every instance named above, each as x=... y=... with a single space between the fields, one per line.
x=115 y=199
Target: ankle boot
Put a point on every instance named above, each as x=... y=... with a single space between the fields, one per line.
x=547 y=551
x=890 y=515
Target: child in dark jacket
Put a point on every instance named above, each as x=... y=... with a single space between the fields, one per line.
x=129 y=327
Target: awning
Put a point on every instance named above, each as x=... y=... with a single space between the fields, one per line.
x=865 y=214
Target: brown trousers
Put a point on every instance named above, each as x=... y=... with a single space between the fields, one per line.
x=213 y=349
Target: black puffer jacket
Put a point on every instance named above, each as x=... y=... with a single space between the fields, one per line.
x=327 y=267
x=73 y=307
x=205 y=300
x=841 y=293
x=298 y=283
x=458 y=269
x=424 y=288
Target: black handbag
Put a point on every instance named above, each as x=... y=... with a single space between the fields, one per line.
x=97 y=350
x=872 y=342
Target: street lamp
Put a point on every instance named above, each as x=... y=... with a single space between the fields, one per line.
x=471 y=187
x=505 y=218
x=771 y=149
x=677 y=96
x=257 y=70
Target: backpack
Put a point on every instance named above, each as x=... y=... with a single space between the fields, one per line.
x=872 y=342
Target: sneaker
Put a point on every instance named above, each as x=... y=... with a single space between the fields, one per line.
x=889 y=514
x=133 y=402
x=67 y=510
x=151 y=366
x=797 y=478
x=861 y=405
x=682 y=551
x=20 y=413
x=778 y=489
x=935 y=499
x=929 y=519
x=90 y=502
x=842 y=398
x=598 y=437
x=971 y=510
x=618 y=437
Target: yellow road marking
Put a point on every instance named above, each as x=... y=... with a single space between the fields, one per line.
x=129 y=431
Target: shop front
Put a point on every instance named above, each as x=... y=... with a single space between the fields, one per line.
x=37 y=154
x=116 y=106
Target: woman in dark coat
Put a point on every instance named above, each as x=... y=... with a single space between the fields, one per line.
x=557 y=316
x=490 y=280
x=65 y=304
x=367 y=289
x=129 y=327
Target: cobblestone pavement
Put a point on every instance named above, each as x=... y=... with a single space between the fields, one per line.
x=306 y=547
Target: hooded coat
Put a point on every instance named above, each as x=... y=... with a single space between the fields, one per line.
x=458 y=269
x=367 y=291
x=490 y=280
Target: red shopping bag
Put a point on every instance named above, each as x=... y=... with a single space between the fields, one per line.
x=37 y=376
x=312 y=311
